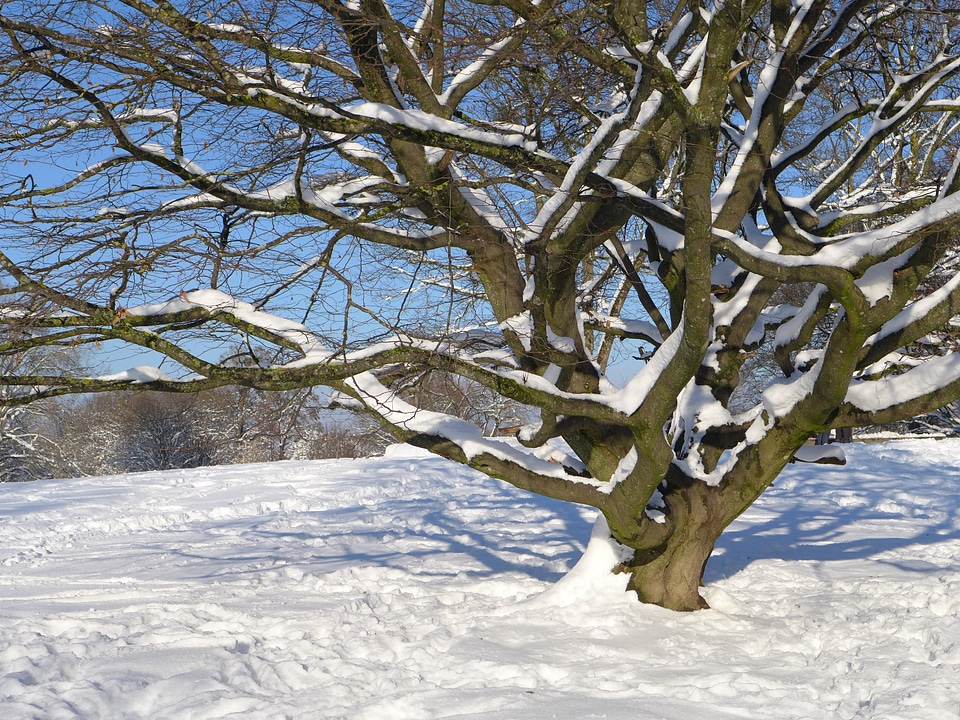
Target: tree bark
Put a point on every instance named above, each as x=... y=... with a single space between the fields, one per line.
x=672 y=579
x=671 y=573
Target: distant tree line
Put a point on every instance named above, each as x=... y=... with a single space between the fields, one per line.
x=121 y=432
x=140 y=431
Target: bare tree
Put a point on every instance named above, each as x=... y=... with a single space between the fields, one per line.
x=129 y=432
x=339 y=438
x=247 y=425
x=450 y=394
x=509 y=192
x=29 y=442
x=162 y=433
x=89 y=430
x=26 y=452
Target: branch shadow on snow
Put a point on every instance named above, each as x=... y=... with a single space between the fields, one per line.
x=449 y=524
x=865 y=516
x=502 y=533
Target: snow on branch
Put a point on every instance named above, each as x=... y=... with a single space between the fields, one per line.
x=921 y=316
x=412 y=423
x=861 y=249
x=139 y=375
x=287 y=333
x=926 y=379
x=884 y=124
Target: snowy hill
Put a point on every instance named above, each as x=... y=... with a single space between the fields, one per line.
x=406 y=587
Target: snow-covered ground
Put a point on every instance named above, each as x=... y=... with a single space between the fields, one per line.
x=406 y=587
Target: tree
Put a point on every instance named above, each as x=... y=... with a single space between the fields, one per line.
x=246 y=425
x=339 y=439
x=29 y=447
x=90 y=431
x=26 y=453
x=513 y=193
x=129 y=432
x=162 y=435
x=445 y=393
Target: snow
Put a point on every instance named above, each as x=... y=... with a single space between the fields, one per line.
x=762 y=92
x=634 y=327
x=563 y=343
x=626 y=466
x=465 y=435
x=560 y=203
x=637 y=389
x=854 y=248
x=168 y=114
x=522 y=326
x=915 y=310
x=781 y=396
x=697 y=411
x=294 y=332
x=406 y=587
x=591 y=577
x=790 y=330
x=489 y=55
x=927 y=377
x=877 y=281
x=481 y=202
x=419 y=120
x=139 y=374
x=828 y=454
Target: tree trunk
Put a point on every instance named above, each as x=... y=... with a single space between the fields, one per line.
x=669 y=558
x=669 y=572
x=672 y=577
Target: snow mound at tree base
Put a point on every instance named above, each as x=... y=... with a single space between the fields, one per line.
x=592 y=580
